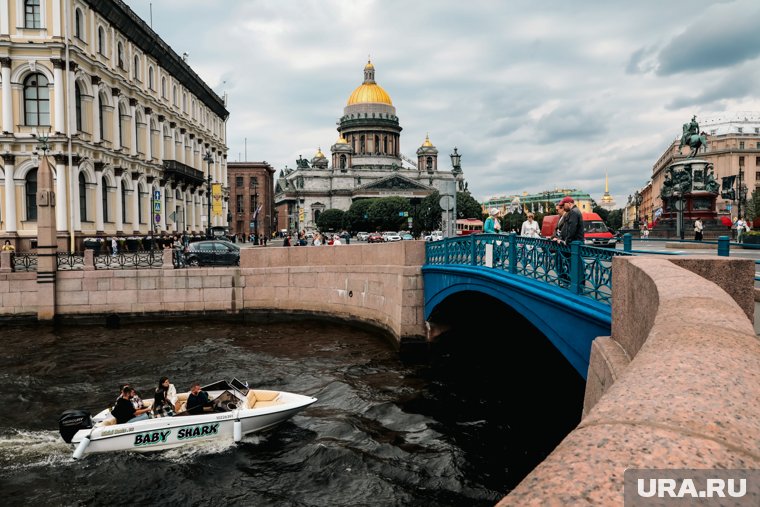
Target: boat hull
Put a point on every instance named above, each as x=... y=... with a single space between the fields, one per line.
x=170 y=432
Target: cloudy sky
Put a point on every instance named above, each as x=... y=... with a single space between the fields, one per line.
x=534 y=94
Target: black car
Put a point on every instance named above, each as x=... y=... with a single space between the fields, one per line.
x=212 y=253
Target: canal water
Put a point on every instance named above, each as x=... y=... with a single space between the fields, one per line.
x=460 y=426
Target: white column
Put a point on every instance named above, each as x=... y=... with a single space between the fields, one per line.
x=61 y=202
x=173 y=143
x=192 y=210
x=161 y=141
x=116 y=124
x=148 y=147
x=5 y=74
x=119 y=217
x=99 y=201
x=136 y=207
x=4 y=20
x=75 y=200
x=10 y=193
x=96 y=115
x=133 y=128
x=181 y=147
x=171 y=207
x=58 y=89
x=71 y=109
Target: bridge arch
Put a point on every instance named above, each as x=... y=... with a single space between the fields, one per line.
x=570 y=322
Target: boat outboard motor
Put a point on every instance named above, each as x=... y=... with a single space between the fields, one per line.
x=72 y=421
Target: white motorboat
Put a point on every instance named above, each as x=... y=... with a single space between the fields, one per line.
x=235 y=411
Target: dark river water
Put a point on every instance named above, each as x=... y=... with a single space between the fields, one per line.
x=458 y=427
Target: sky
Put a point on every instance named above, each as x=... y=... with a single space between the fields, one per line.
x=535 y=94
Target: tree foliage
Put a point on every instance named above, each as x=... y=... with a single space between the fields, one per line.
x=467 y=206
x=385 y=213
x=357 y=216
x=331 y=220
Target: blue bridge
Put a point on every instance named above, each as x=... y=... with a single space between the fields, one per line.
x=563 y=291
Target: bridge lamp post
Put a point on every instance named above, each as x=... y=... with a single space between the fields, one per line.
x=208 y=158
x=637 y=200
x=255 y=187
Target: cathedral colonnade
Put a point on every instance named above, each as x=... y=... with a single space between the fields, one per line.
x=126 y=121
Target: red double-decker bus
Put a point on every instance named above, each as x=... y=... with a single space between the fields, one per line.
x=467 y=226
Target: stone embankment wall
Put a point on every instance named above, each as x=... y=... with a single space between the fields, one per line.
x=675 y=386
x=378 y=284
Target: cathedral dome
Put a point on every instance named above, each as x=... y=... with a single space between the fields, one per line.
x=369 y=92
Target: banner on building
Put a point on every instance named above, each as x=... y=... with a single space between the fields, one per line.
x=216 y=199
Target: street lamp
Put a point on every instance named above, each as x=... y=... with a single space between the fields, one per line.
x=456 y=161
x=208 y=158
x=637 y=200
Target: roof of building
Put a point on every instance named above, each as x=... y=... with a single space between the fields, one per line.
x=369 y=92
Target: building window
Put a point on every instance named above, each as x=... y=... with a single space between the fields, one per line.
x=122 y=117
x=101 y=41
x=136 y=70
x=741 y=161
x=174 y=96
x=140 y=197
x=239 y=203
x=254 y=182
x=342 y=161
x=238 y=181
x=757 y=176
x=32 y=15
x=78 y=24
x=78 y=106
x=163 y=87
x=120 y=55
x=740 y=130
x=30 y=188
x=101 y=119
x=741 y=145
x=429 y=163
x=104 y=193
x=361 y=145
x=36 y=100
x=123 y=202
x=757 y=161
x=82 y=198
x=150 y=78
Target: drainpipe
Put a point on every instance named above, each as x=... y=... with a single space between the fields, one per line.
x=67 y=14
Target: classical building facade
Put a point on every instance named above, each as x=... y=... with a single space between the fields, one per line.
x=135 y=136
x=537 y=203
x=251 y=187
x=733 y=147
x=366 y=161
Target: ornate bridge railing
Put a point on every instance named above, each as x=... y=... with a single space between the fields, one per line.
x=144 y=259
x=584 y=270
x=66 y=261
x=24 y=261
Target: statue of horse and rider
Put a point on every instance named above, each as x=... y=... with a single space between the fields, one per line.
x=692 y=138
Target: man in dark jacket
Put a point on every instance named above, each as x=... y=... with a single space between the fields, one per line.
x=572 y=226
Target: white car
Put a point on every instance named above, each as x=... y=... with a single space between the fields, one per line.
x=362 y=236
x=434 y=236
x=393 y=237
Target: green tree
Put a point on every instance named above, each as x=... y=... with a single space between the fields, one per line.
x=357 y=216
x=615 y=219
x=331 y=220
x=603 y=213
x=753 y=206
x=428 y=216
x=467 y=206
x=385 y=213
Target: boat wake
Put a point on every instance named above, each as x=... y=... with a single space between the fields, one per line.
x=188 y=453
x=23 y=449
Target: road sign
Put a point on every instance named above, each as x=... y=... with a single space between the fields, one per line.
x=157 y=218
x=157 y=207
x=447 y=203
x=156 y=195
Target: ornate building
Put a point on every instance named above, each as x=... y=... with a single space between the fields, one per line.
x=251 y=204
x=135 y=135
x=607 y=202
x=365 y=162
x=541 y=202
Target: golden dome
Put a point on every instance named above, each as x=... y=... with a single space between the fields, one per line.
x=319 y=153
x=427 y=142
x=341 y=140
x=369 y=93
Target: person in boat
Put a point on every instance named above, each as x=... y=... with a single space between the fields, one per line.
x=197 y=399
x=164 y=398
x=124 y=411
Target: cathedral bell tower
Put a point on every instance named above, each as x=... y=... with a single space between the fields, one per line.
x=427 y=157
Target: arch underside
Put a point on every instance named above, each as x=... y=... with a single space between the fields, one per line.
x=570 y=322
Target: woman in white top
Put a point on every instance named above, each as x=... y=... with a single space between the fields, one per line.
x=530 y=228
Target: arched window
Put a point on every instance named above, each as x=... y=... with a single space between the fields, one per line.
x=139 y=205
x=342 y=161
x=78 y=105
x=429 y=163
x=82 y=198
x=385 y=144
x=102 y=118
x=32 y=14
x=184 y=102
x=137 y=136
x=30 y=189
x=123 y=202
x=163 y=87
x=174 y=96
x=101 y=41
x=104 y=193
x=36 y=100
x=377 y=145
x=136 y=70
x=120 y=55
x=150 y=78
x=78 y=24
x=122 y=119
x=361 y=145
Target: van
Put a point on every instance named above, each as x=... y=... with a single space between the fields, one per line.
x=595 y=231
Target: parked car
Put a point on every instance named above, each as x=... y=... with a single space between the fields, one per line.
x=375 y=237
x=362 y=236
x=434 y=236
x=407 y=237
x=212 y=253
x=392 y=237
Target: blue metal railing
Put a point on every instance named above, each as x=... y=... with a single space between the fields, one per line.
x=584 y=270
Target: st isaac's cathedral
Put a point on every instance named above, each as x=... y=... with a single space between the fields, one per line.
x=365 y=162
